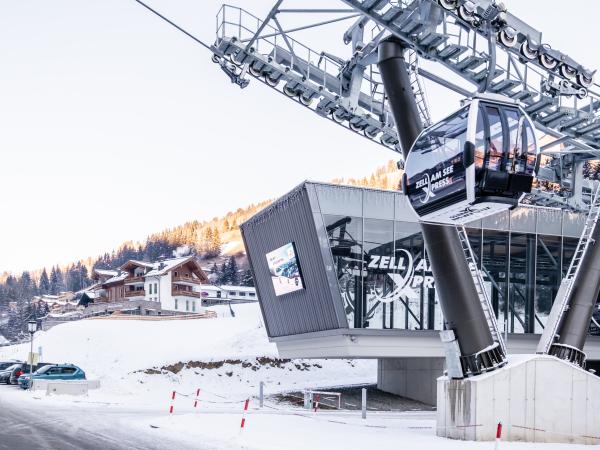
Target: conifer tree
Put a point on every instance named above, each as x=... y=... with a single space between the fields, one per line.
x=44 y=283
x=247 y=279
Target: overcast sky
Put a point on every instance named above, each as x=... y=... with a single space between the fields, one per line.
x=114 y=125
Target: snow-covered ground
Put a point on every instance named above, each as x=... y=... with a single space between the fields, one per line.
x=140 y=364
x=143 y=361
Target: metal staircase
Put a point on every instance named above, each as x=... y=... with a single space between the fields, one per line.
x=418 y=89
x=561 y=302
x=484 y=299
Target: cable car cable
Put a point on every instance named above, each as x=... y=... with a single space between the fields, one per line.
x=173 y=24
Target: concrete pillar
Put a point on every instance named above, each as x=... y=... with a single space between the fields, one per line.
x=414 y=378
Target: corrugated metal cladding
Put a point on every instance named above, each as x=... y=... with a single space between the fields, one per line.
x=318 y=306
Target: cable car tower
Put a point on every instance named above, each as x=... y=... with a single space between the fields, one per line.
x=484 y=158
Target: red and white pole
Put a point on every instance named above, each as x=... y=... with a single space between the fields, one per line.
x=172 y=402
x=243 y=424
x=317 y=402
x=197 y=395
x=498 y=435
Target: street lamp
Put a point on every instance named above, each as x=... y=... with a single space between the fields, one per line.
x=32 y=328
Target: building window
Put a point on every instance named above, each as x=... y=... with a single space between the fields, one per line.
x=193 y=306
x=156 y=288
x=176 y=274
x=252 y=294
x=218 y=294
x=187 y=305
x=176 y=303
x=242 y=294
x=150 y=289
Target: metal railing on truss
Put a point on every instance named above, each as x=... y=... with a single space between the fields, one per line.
x=315 y=77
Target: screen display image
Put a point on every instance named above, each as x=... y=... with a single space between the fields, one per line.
x=285 y=270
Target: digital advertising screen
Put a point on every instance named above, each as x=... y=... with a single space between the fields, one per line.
x=285 y=269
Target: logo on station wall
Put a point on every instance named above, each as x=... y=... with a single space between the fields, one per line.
x=408 y=275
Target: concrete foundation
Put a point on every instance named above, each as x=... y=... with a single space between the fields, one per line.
x=414 y=378
x=537 y=399
x=75 y=387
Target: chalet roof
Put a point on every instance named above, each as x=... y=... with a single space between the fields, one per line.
x=158 y=268
x=117 y=278
x=162 y=267
x=106 y=272
x=135 y=262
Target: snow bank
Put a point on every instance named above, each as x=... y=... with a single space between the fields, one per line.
x=103 y=347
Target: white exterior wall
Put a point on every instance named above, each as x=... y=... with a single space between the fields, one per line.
x=164 y=290
x=540 y=399
x=154 y=297
x=228 y=293
x=167 y=300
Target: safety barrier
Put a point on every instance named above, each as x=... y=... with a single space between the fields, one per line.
x=196 y=399
x=338 y=416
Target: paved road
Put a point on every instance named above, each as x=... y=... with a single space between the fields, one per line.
x=23 y=430
x=23 y=426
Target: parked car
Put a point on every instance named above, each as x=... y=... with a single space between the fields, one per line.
x=5 y=364
x=6 y=373
x=63 y=372
x=11 y=374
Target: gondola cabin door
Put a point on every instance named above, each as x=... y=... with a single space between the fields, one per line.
x=473 y=164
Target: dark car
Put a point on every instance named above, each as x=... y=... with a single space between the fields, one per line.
x=6 y=372
x=12 y=373
x=5 y=364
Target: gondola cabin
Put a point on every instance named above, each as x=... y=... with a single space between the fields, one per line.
x=473 y=164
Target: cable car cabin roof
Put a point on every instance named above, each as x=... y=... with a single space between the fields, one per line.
x=472 y=164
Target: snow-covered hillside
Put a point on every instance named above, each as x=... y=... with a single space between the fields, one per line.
x=144 y=360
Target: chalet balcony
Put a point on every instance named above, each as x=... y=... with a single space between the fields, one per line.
x=184 y=293
x=141 y=293
x=185 y=280
x=134 y=280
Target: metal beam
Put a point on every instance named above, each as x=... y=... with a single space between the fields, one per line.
x=305 y=27
x=262 y=26
x=317 y=11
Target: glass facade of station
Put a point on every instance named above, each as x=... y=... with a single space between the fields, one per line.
x=385 y=280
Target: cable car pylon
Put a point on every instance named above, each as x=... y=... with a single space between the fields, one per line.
x=566 y=330
x=493 y=52
x=476 y=345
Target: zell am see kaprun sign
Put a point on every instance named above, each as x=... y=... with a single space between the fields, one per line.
x=408 y=275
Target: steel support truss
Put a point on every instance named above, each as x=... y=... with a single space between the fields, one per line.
x=477 y=41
